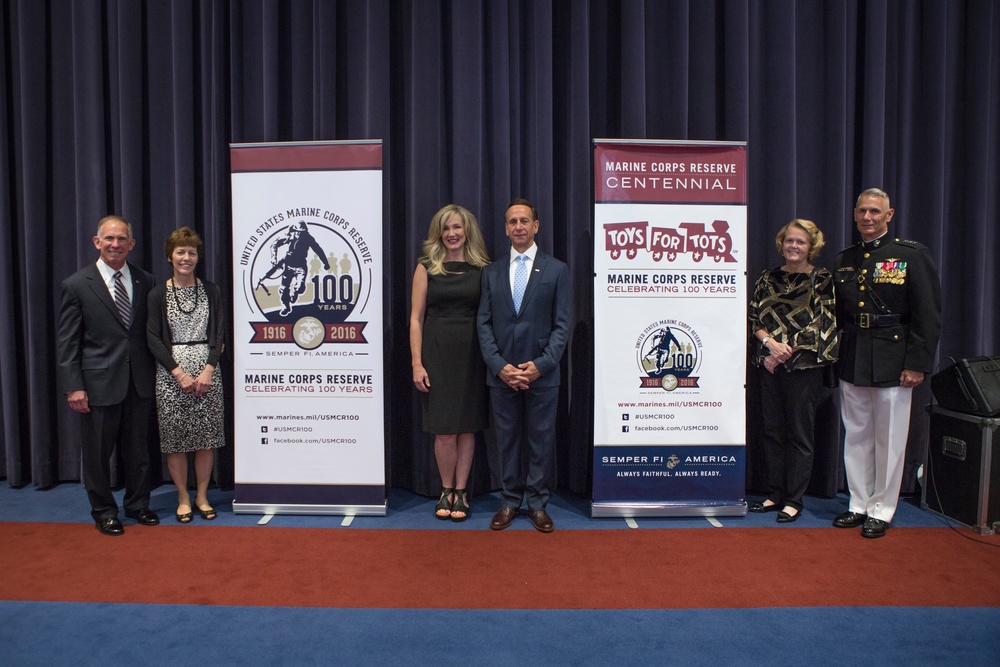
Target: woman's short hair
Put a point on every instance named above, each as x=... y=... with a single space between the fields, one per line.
x=181 y=238
x=816 y=239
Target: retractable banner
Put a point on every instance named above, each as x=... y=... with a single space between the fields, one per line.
x=307 y=328
x=670 y=229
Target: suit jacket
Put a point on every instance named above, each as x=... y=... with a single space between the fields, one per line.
x=539 y=333
x=95 y=351
x=874 y=350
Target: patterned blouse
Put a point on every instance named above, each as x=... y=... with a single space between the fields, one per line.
x=797 y=309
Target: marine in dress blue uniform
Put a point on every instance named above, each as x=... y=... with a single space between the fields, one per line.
x=889 y=310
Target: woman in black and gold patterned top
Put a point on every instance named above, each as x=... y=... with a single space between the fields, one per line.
x=794 y=335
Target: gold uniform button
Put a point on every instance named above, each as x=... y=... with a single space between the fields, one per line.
x=861 y=304
x=867 y=255
x=896 y=337
x=864 y=270
x=862 y=288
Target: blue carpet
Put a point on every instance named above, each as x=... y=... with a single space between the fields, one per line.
x=35 y=633
x=67 y=503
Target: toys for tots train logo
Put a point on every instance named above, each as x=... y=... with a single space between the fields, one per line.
x=305 y=278
x=668 y=352
x=691 y=238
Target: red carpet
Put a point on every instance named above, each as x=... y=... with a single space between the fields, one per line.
x=675 y=568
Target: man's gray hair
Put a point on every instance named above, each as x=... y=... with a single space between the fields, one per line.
x=873 y=192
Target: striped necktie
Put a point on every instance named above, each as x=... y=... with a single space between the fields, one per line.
x=121 y=299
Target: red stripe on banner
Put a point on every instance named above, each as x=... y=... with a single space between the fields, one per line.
x=269 y=332
x=417 y=569
x=345 y=332
x=306 y=157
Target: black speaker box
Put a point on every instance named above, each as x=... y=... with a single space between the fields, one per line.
x=971 y=386
x=962 y=476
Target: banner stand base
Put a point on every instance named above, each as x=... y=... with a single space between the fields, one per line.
x=633 y=508
x=334 y=510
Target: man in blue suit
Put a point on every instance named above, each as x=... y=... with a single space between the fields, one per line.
x=523 y=326
x=107 y=372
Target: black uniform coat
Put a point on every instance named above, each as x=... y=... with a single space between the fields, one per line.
x=889 y=309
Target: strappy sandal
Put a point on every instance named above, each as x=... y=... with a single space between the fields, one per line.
x=444 y=505
x=207 y=514
x=185 y=517
x=460 y=505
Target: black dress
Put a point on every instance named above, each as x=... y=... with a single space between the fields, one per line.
x=456 y=402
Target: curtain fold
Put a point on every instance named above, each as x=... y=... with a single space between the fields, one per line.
x=128 y=107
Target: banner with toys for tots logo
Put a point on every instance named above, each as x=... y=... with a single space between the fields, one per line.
x=307 y=328
x=670 y=229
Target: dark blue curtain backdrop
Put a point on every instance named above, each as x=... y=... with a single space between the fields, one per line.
x=129 y=107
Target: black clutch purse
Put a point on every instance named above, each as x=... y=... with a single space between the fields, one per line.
x=831 y=376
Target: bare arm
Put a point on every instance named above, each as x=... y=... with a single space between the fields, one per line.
x=417 y=311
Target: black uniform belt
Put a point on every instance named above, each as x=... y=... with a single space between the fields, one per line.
x=870 y=321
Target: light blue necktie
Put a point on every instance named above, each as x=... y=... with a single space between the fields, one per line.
x=520 y=281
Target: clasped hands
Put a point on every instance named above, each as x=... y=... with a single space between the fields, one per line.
x=779 y=354
x=198 y=386
x=519 y=377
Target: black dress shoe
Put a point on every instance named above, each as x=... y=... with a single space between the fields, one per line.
x=849 y=520
x=785 y=517
x=504 y=518
x=760 y=508
x=874 y=528
x=110 y=525
x=145 y=516
x=542 y=521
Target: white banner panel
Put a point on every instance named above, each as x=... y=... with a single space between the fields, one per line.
x=670 y=230
x=307 y=327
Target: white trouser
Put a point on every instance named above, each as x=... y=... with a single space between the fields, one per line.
x=876 y=423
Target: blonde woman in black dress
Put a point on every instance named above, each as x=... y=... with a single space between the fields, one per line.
x=185 y=332
x=448 y=368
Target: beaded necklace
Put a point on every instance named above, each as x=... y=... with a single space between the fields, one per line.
x=173 y=290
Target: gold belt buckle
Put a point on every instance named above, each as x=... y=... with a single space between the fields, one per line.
x=865 y=321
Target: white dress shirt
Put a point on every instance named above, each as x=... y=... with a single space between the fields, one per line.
x=529 y=261
x=109 y=278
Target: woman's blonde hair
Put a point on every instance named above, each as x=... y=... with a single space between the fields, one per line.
x=434 y=250
x=816 y=239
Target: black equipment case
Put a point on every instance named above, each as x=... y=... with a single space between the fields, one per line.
x=962 y=479
x=971 y=386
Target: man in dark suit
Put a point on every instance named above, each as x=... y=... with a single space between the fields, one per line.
x=523 y=327
x=107 y=372
x=889 y=308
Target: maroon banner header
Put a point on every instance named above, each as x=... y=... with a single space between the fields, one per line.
x=670 y=173
x=305 y=157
